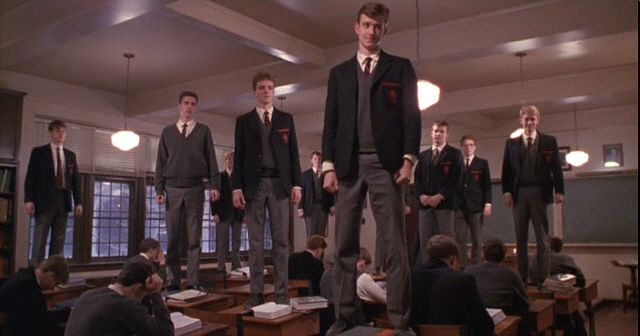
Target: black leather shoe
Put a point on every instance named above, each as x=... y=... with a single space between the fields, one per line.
x=255 y=299
x=338 y=327
x=282 y=299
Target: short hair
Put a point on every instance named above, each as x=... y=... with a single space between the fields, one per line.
x=56 y=124
x=260 y=76
x=148 y=244
x=494 y=250
x=187 y=94
x=316 y=242
x=442 y=247
x=467 y=137
x=441 y=123
x=135 y=273
x=365 y=255
x=316 y=153
x=556 y=243
x=374 y=10
x=58 y=265
x=528 y=110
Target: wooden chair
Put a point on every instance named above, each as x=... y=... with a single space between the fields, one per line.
x=629 y=290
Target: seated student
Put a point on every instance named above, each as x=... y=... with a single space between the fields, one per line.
x=443 y=295
x=150 y=250
x=22 y=300
x=307 y=264
x=561 y=263
x=117 y=309
x=327 y=315
x=499 y=285
x=368 y=290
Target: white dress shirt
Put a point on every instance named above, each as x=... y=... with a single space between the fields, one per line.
x=191 y=124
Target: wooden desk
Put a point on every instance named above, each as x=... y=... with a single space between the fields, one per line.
x=587 y=295
x=540 y=316
x=369 y=331
x=242 y=293
x=441 y=330
x=231 y=317
x=210 y=302
x=210 y=329
x=632 y=287
x=53 y=296
x=294 y=324
x=566 y=303
x=508 y=326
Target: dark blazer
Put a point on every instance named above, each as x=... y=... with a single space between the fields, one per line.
x=248 y=151
x=224 y=206
x=547 y=165
x=305 y=266
x=442 y=177
x=395 y=118
x=22 y=300
x=475 y=188
x=308 y=193
x=40 y=182
x=500 y=287
x=441 y=295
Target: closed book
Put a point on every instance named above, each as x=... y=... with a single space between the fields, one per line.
x=309 y=302
x=186 y=295
x=271 y=310
x=184 y=324
x=497 y=315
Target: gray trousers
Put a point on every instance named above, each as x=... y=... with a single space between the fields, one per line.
x=468 y=224
x=316 y=221
x=54 y=218
x=279 y=209
x=531 y=206
x=387 y=204
x=222 y=242
x=184 y=205
x=433 y=222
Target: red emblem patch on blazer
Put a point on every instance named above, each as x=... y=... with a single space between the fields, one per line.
x=393 y=96
x=446 y=166
x=284 y=135
x=476 y=175
x=547 y=155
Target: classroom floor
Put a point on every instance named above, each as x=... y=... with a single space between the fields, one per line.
x=610 y=321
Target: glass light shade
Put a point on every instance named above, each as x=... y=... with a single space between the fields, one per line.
x=428 y=94
x=612 y=164
x=577 y=158
x=125 y=140
x=517 y=133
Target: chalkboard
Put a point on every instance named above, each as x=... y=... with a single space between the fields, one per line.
x=501 y=225
x=601 y=210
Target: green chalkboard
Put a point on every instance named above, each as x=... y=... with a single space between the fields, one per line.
x=601 y=210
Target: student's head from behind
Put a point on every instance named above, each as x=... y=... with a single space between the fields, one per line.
x=228 y=160
x=52 y=272
x=439 y=133
x=137 y=278
x=316 y=159
x=264 y=85
x=371 y=25
x=316 y=244
x=494 y=250
x=468 y=145
x=556 y=243
x=151 y=248
x=364 y=260
x=444 y=248
x=187 y=105
x=57 y=132
x=529 y=118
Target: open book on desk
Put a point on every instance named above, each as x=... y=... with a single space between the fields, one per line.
x=497 y=315
x=244 y=271
x=184 y=324
x=186 y=295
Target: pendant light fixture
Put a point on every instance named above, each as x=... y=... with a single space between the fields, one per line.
x=428 y=93
x=126 y=140
x=520 y=55
x=577 y=157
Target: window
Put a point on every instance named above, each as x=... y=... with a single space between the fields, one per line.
x=208 y=226
x=111 y=217
x=154 y=224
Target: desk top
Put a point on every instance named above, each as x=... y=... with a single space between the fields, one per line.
x=196 y=302
x=209 y=328
x=58 y=290
x=507 y=325
x=632 y=264
x=589 y=292
x=280 y=320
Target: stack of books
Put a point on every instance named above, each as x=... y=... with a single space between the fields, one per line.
x=271 y=310
x=560 y=282
x=309 y=302
x=184 y=324
x=186 y=295
x=497 y=315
